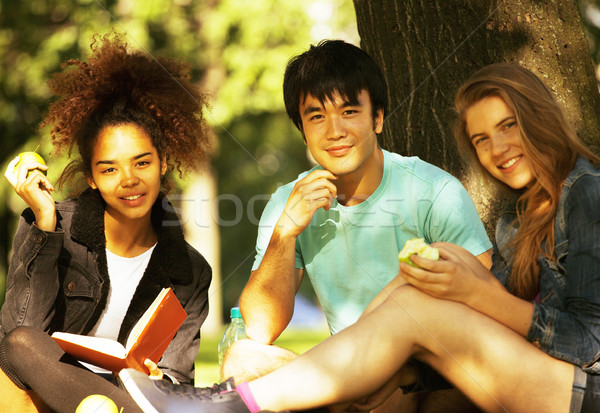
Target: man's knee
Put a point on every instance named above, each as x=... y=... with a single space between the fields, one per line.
x=247 y=360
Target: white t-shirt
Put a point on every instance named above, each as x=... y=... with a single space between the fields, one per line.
x=125 y=275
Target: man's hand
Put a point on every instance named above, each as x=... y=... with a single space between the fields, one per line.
x=312 y=192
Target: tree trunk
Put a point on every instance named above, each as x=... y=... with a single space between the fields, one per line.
x=427 y=48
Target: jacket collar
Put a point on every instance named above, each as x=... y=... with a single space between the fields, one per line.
x=169 y=264
x=88 y=220
x=174 y=263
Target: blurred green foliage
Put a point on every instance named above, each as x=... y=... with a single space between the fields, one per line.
x=237 y=50
x=248 y=44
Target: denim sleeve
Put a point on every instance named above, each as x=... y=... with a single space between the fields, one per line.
x=500 y=266
x=32 y=283
x=506 y=230
x=572 y=333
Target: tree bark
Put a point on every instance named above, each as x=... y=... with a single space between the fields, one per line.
x=428 y=48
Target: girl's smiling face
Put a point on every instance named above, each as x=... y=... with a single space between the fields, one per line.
x=494 y=133
x=127 y=171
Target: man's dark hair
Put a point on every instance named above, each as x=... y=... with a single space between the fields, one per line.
x=329 y=67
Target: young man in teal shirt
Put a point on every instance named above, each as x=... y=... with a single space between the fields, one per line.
x=343 y=222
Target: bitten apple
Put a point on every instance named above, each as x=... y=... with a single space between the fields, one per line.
x=421 y=248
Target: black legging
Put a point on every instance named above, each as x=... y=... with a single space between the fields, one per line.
x=33 y=360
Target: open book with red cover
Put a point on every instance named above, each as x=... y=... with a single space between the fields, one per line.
x=149 y=338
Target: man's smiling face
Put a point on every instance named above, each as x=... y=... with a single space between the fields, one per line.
x=341 y=135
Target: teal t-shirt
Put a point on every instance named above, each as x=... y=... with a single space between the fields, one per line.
x=350 y=253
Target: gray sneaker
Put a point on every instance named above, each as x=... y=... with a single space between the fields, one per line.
x=160 y=396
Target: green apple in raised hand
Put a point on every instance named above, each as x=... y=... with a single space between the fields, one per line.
x=26 y=158
x=421 y=248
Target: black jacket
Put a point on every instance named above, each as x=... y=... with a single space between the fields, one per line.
x=58 y=281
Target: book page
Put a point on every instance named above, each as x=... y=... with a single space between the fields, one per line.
x=99 y=344
x=149 y=338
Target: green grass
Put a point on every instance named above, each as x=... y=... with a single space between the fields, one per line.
x=207 y=366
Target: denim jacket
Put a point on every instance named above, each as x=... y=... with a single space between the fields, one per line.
x=58 y=281
x=566 y=321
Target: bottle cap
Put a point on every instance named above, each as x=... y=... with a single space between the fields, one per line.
x=235 y=312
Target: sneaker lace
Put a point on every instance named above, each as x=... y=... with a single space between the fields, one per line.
x=197 y=392
x=226 y=386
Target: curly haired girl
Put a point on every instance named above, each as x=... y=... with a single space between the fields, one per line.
x=92 y=264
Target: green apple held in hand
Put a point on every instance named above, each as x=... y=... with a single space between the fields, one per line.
x=26 y=158
x=421 y=248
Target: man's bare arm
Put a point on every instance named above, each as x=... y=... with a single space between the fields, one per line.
x=267 y=301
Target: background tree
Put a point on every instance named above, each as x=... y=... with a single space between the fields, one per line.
x=428 y=48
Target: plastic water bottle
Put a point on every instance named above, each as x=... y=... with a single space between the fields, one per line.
x=235 y=331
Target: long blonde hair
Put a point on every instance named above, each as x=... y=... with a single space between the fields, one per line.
x=549 y=143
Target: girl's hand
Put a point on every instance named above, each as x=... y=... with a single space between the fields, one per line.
x=457 y=275
x=34 y=190
x=155 y=372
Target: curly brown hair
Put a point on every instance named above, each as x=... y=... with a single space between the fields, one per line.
x=117 y=86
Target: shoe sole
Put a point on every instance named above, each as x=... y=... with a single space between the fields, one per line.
x=135 y=393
